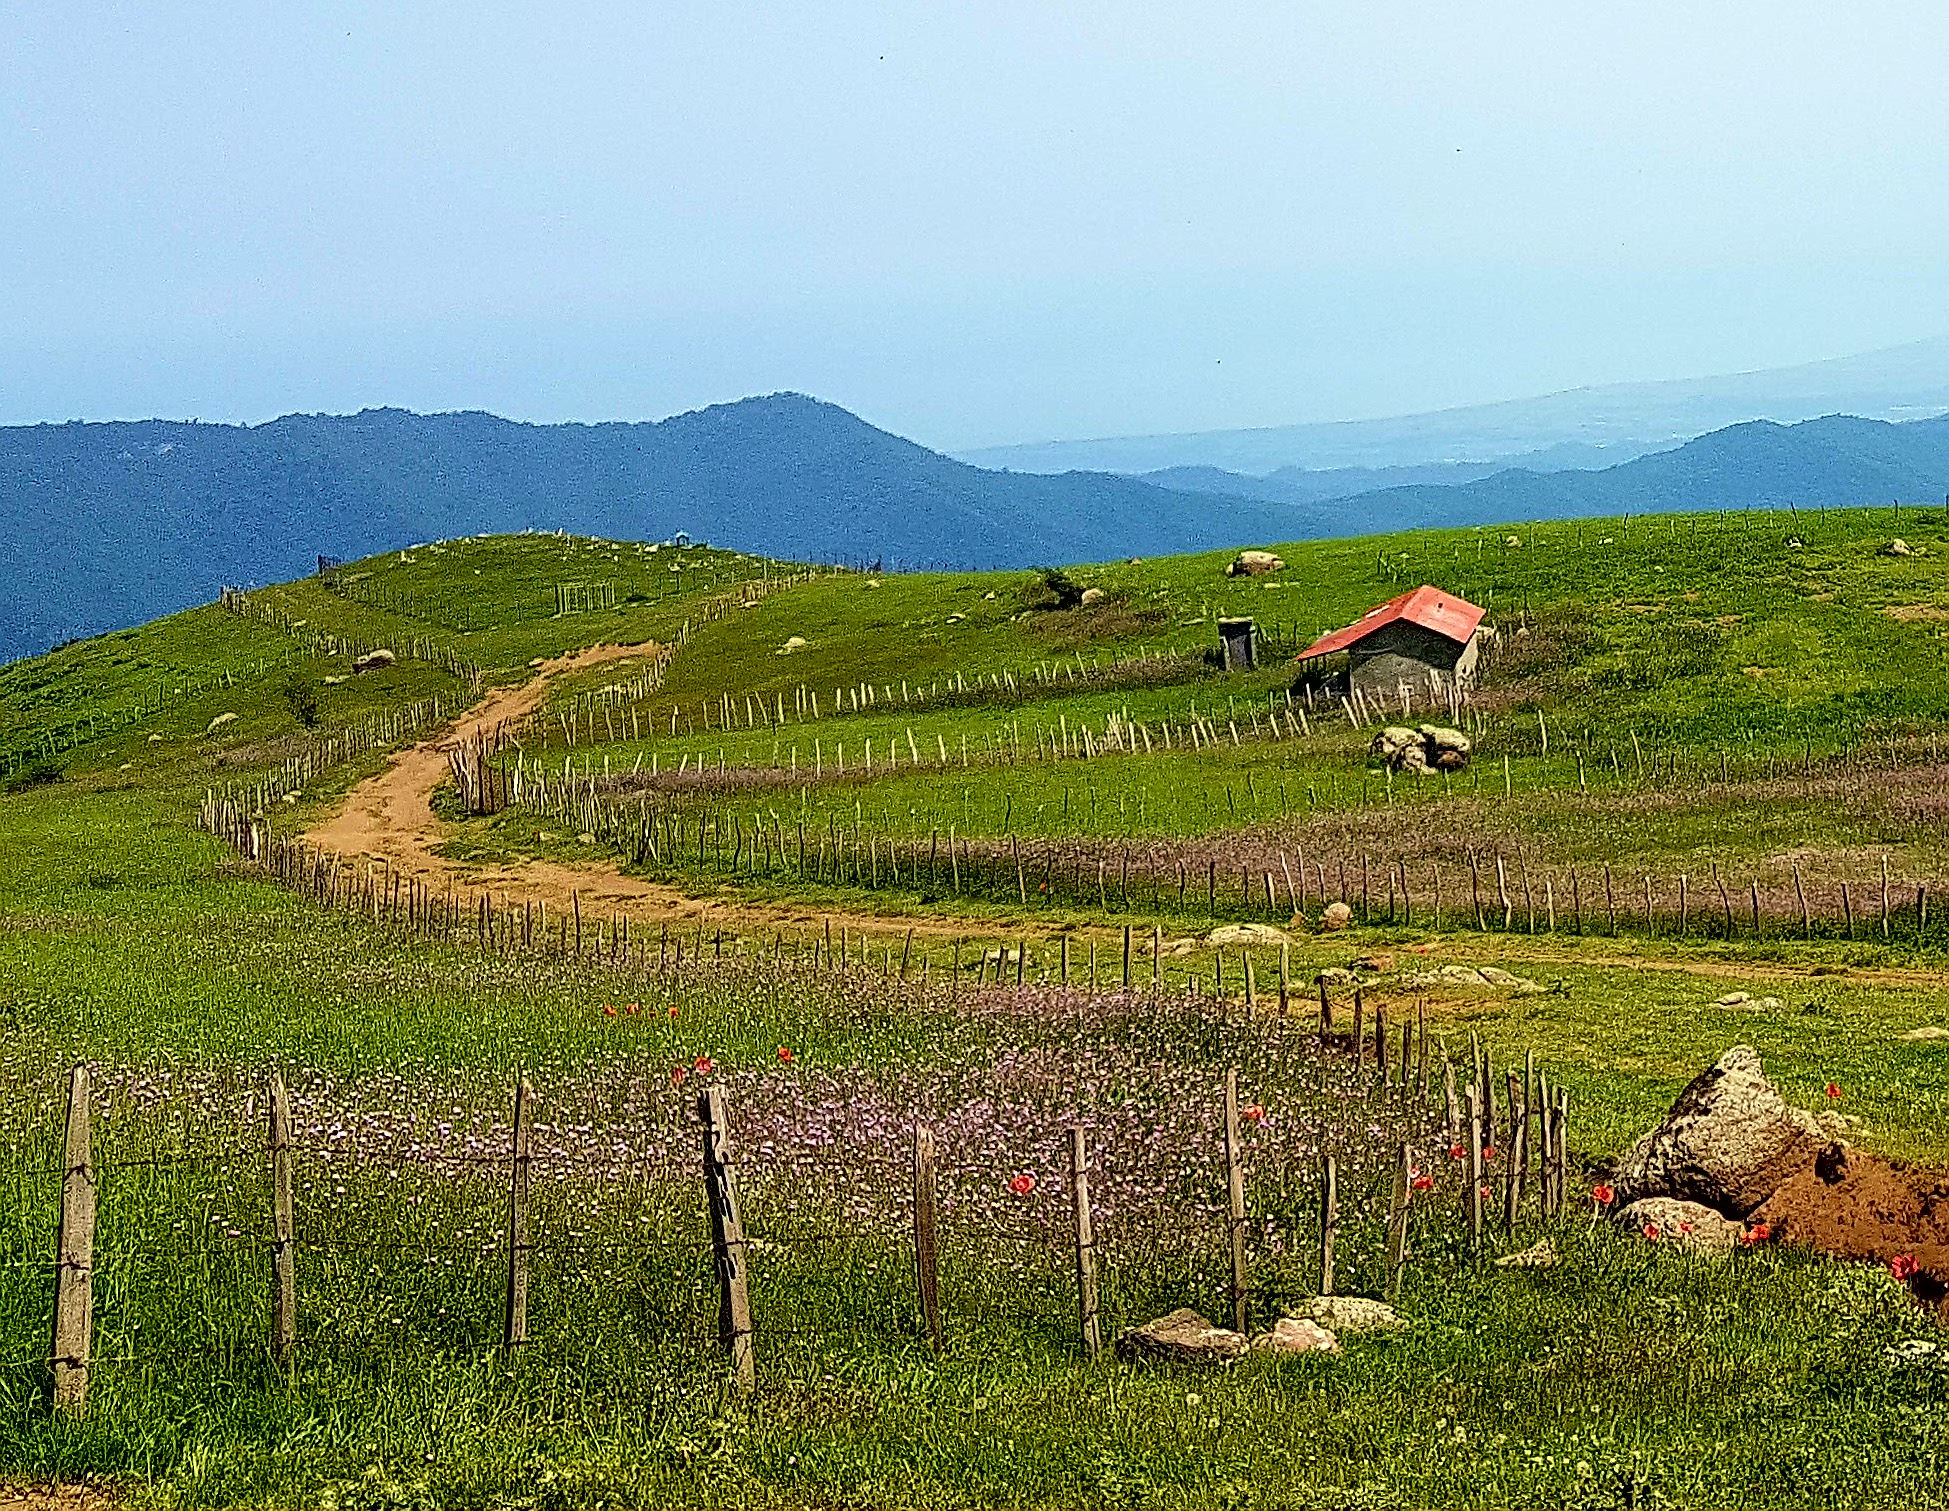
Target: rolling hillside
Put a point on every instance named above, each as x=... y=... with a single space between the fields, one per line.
x=111 y=524
x=108 y=525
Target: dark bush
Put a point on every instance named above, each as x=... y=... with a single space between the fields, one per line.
x=36 y=774
x=1053 y=588
x=301 y=696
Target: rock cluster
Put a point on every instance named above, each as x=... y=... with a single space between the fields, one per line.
x=1727 y=1143
x=1254 y=564
x=1473 y=975
x=1427 y=747
x=1231 y=935
x=1315 y=1327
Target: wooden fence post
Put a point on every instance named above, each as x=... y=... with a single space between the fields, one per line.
x=74 y=1263
x=284 y=1258
x=515 y=1330
x=1397 y=1221
x=1516 y=1151
x=1473 y=1157
x=1235 y=1197
x=1079 y=1190
x=1559 y=1142
x=927 y=1254
x=1329 y=1219
x=728 y=1240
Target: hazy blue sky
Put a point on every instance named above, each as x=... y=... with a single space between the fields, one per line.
x=972 y=223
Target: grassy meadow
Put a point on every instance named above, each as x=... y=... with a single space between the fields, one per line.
x=1759 y=693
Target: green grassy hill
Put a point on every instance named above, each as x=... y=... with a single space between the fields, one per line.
x=1751 y=703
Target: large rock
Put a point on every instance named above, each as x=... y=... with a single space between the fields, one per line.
x=1689 y=1225
x=1183 y=1337
x=1235 y=934
x=1336 y=917
x=1296 y=1335
x=1448 y=749
x=1254 y=564
x=1429 y=747
x=1728 y=1142
x=1348 y=1314
x=373 y=661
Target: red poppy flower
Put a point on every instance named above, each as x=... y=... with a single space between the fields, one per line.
x=1602 y=1195
x=704 y=1065
x=673 y=1011
x=1759 y=1232
x=1023 y=1184
x=1684 y=1227
x=1486 y=1193
x=1424 y=1183
x=1456 y=1151
x=1903 y=1267
x=1489 y=1151
x=1651 y=1231
x=1833 y=1091
x=676 y=1075
x=608 y=1009
x=784 y=1055
x=633 y=1009
x=1252 y=1114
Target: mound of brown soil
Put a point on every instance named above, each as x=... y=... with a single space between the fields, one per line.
x=1855 y=1206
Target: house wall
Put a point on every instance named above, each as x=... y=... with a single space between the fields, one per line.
x=1403 y=652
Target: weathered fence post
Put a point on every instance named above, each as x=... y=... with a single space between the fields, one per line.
x=1329 y=1219
x=727 y=1240
x=927 y=1254
x=1473 y=1155
x=1235 y=1198
x=1516 y=1151
x=284 y=1258
x=1079 y=1192
x=515 y=1330
x=1397 y=1221
x=1559 y=1141
x=74 y=1263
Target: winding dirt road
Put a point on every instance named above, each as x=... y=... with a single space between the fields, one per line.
x=389 y=819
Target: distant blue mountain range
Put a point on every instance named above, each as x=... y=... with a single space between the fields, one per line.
x=1578 y=427
x=112 y=524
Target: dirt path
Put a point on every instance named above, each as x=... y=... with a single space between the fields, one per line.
x=389 y=818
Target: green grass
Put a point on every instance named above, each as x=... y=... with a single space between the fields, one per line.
x=1628 y=1376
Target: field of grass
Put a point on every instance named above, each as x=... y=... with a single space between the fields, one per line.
x=1783 y=679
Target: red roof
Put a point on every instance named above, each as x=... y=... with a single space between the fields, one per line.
x=1431 y=608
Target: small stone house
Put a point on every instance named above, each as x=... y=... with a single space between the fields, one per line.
x=1425 y=638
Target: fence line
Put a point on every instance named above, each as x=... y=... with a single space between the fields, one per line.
x=1525 y=1164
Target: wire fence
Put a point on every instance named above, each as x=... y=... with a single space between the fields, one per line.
x=280 y=1245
